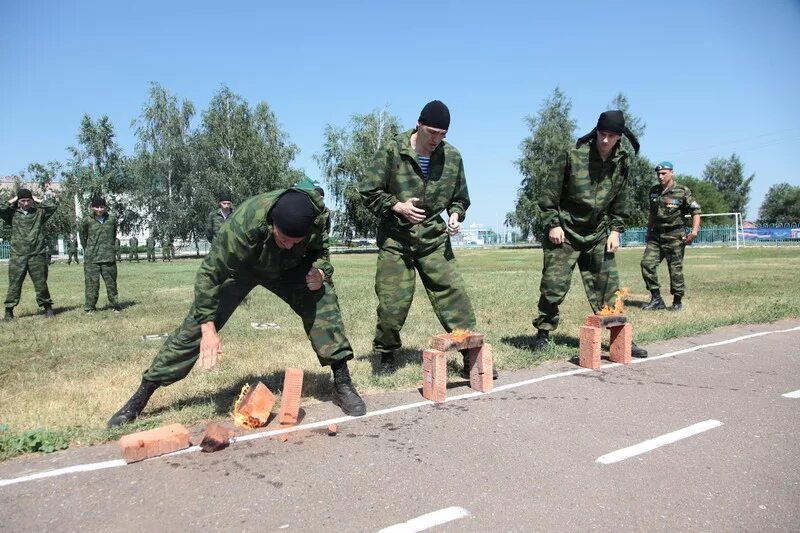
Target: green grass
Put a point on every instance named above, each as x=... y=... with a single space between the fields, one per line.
x=69 y=374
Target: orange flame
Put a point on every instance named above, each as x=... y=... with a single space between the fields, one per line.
x=241 y=419
x=618 y=308
x=460 y=335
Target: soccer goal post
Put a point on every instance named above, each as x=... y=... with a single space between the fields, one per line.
x=737 y=221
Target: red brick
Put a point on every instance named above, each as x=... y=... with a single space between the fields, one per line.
x=480 y=368
x=590 y=347
x=216 y=438
x=444 y=343
x=605 y=321
x=434 y=375
x=620 y=346
x=153 y=442
x=290 y=397
x=257 y=403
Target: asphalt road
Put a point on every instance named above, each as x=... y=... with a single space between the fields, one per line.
x=523 y=458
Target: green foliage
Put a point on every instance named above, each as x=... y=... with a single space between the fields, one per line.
x=31 y=441
x=346 y=156
x=781 y=205
x=542 y=153
x=727 y=176
x=709 y=198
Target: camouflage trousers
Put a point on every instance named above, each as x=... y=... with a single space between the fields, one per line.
x=395 y=281
x=598 y=271
x=668 y=245
x=319 y=311
x=151 y=255
x=133 y=256
x=18 y=267
x=73 y=255
x=165 y=254
x=91 y=274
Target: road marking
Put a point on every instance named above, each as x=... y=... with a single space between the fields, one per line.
x=324 y=423
x=794 y=394
x=652 y=444
x=427 y=521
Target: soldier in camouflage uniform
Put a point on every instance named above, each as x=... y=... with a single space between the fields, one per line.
x=72 y=250
x=166 y=249
x=413 y=178
x=133 y=249
x=218 y=217
x=583 y=205
x=151 y=249
x=670 y=202
x=98 y=235
x=26 y=214
x=276 y=240
x=117 y=250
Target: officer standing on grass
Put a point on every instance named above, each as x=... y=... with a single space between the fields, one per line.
x=150 y=243
x=412 y=179
x=72 y=250
x=670 y=203
x=133 y=249
x=26 y=214
x=218 y=217
x=583 y=205
x=98 y=235
x=276 y=240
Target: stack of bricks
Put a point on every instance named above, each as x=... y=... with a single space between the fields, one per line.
x=290 y=397
x=154 y=442
x=591 y=339
x=434 y=365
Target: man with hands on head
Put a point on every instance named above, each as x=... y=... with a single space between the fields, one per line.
x=276 y=240
x=413 y=178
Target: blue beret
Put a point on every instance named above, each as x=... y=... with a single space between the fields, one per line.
x=664 y=165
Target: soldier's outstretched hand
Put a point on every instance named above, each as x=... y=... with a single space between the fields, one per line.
x=314 y=279
x=556 y=235
x=411 y=212
x=210 y=346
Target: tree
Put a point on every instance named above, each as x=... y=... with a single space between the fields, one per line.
x=709 y=198
x=346 y=156
x=727 y=176
x=781 y=205
x=43 y=176
x=641 y=176
x=552 y=135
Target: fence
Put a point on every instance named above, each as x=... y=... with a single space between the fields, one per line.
x=768 y=234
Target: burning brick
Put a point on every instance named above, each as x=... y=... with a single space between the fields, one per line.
x=619 y=307
x=253 y=407
x=458 y=339
x=290 y=397
x=154 y=442
x=216 y=438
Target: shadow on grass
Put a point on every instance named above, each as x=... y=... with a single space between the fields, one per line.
x=525 y=342
x=402 y=357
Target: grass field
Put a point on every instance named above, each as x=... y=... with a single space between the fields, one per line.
x=70 y=373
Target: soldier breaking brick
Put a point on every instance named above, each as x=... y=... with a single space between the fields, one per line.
x=276 y=240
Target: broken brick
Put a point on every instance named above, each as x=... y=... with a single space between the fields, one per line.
x=290 y=397
x=332 y=430
x=215 y=438
x=590 y=347
x=480 y=368
x=434 y=375
x=154 y=442
x=255 y=406
x=621 y=343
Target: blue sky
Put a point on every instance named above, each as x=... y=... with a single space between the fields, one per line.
x=709 y=78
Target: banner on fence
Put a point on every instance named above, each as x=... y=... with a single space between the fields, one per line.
x=770 y=234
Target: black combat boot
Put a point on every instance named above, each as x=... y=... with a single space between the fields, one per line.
x=344 y=395
x=541 y=340
x=636 y=351
x=9 y=313
x=465 y=369
x=48 y=312
x=387 y=365
x=656 y=302
x=676 y=302
x=134 y=406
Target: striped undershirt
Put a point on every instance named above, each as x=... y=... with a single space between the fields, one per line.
x=423 y=164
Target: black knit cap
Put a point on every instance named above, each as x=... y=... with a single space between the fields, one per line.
x=613 y=121
x=24 y=193
x=436 y=115
x=224 y=196
x=98 y=201
x=293 y=214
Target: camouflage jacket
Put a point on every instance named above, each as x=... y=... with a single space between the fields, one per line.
x=27 y=237
x=215 y=220
x=72 y=245
x=395 y=176
x=668 y=208
x=586 y=195
x=99 y=239
x=244 y=246
x=150 y=243
x=133 y=244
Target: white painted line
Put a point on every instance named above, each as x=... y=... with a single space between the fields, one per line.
x=652 y=444
x=381 y=412
x=427 y=521
x=794 y=394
